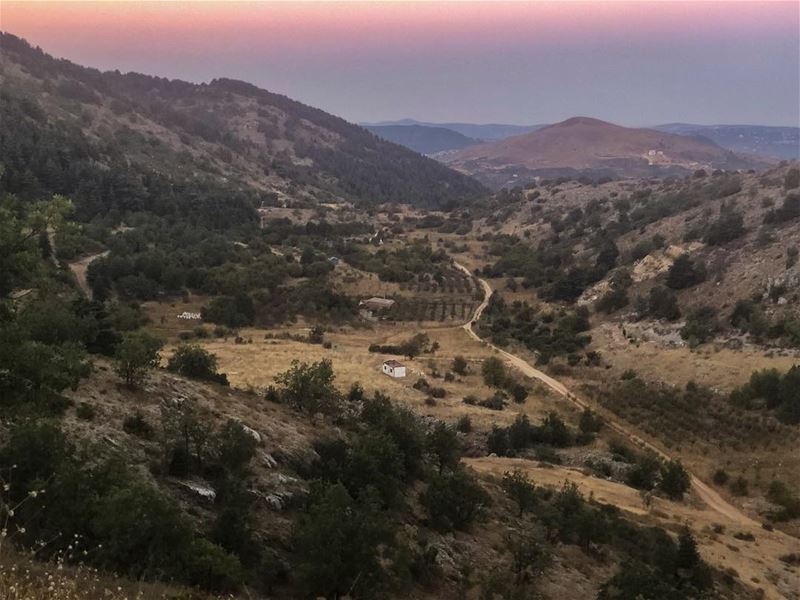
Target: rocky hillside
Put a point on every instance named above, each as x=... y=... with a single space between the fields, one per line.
x=721 y=249
x=61 y=121
x=589 y=147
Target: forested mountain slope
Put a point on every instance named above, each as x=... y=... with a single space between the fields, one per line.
x=113 y=140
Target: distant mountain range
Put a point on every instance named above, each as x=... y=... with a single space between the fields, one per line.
x=583 y=146
x=761 y=140
x=484 y=132
x=427 y=138
x=422 y=138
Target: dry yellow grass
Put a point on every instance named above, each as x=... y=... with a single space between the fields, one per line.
x=718 y=368
x=255 y=365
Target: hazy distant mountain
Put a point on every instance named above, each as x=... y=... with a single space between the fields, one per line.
x=423 y=139
x=585 y=146
x=778 y=142
x=485 y=132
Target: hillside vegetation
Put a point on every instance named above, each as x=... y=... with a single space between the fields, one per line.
x=121 y=139
x=191 y=401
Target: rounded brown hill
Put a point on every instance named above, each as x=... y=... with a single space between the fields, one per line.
x=583 y=143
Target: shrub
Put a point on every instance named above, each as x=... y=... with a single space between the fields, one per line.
x=454 y=500
x=685 y=273
x=792 y=179
x=788 y=211
x=589 y=423
x=136 y=354
x=675 y=481
x=644 y=474
x=780 y=494
x=518 y=392
x=739 y=487
x=190 y=360
x=309 y=387
x=234 y=447
x=85 y=411
x=780 y=392
x=464 y=424
x=494 y=372
x=663 y=304
x=459 y=365
x=497 y=441
x=521 y=489
x=316 y=335
x=402 y=426
x=612 y=301
x=137 y=425
x=338 y=544
x=443 y=445
x=376 y=461
x=728 y=227
x=231 y=311
x=494 y=402
x=212 y=568
x=701 y=326
x=720 y=477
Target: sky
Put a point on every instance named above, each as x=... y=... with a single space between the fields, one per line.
x=632 y=63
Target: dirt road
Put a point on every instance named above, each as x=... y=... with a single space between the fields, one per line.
x=79 y=268
x=715 y=503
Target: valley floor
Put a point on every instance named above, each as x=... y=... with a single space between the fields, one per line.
x=728 y=538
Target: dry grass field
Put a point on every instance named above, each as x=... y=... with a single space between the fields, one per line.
x=711 y=365
x=255 y=365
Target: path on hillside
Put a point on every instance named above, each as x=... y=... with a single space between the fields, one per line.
x=709 y=496
x=79 y=268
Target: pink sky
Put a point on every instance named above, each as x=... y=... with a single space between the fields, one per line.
x=311 y=51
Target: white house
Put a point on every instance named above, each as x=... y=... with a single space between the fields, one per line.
x=394 y=368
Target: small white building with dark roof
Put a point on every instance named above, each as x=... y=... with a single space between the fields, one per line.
x=394 y=368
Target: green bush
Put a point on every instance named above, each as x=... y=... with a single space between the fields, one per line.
x=85 y=411
x=309 y=387
x=685 y=273
x=337 y=544
x=459 y=365
x=231 y=311
x=190 y=360
x=135 y=356
x=444 y=447
x=675 y=481
x=464 y=424
x=739 y=487
x=493 y=370
x=779 y=392
x=612 y=301
x=521 y=489
x=454 y=500
x=720 y=477
x=663 y=304
x=136 y=424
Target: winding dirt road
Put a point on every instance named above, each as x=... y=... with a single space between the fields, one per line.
x=778 y=541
